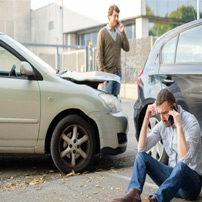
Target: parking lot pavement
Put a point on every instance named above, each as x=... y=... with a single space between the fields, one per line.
x=97 y=186
x=35 y=179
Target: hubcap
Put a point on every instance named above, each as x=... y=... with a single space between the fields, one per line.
x=74 y=144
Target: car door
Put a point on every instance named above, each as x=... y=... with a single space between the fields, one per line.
x=181 y=69
x=19 y=105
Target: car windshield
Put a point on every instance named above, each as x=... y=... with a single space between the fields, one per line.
x=31 y=54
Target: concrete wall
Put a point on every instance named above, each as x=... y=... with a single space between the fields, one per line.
x=74 y=21
x=46 y=24
x=15 y=19
x=134 y=60
x=74 y=60
x=142 y=28
x=48 y=54
x=129 y=91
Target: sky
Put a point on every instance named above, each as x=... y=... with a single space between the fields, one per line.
x=40 y=3
x=92 y=8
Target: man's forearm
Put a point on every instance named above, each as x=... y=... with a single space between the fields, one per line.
x=125 y=42
x=183 y=147
x=143 y=134
x=151 y=109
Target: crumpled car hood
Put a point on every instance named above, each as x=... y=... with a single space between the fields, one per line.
x=92 y=79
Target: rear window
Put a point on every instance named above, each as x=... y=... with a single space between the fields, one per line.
x=185 y=49
x=190 y=46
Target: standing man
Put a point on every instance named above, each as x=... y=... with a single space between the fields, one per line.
x=182 y=142
x=109 y=44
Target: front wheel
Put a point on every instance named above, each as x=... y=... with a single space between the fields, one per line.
x=73 y=144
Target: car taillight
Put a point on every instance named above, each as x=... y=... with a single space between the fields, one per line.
x=138 y=82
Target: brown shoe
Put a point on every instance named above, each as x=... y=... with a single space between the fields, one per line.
x=151 y=198
x=133 y=195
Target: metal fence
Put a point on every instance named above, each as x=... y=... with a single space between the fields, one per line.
x=61 y=57
x=83 y=58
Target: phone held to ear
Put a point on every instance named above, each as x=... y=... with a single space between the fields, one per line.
x=170 y=118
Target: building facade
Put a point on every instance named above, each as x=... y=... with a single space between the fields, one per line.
x=62 y=28
x=15 y=19
x=151 y=18
x=56 y=23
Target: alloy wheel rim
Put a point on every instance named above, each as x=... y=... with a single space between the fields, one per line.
x=74 y=145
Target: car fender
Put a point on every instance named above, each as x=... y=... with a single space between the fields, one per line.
x=141 y=110
x=69 y=96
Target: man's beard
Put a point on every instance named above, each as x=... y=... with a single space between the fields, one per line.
x=166 y=123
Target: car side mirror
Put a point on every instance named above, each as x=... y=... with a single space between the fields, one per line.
x=26 y=69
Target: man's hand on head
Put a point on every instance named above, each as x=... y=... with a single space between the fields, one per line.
x=151 y=110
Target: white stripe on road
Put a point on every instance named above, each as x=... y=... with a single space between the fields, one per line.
x=128 y=179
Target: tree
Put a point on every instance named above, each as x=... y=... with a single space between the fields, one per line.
x=186 y=13
x=149 y=11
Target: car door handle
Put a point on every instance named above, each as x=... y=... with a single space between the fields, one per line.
x=168 y=81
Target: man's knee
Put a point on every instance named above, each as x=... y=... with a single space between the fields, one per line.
x=180 y=167
x=141 y=156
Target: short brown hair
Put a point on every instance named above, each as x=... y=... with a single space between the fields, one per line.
x=113 y=8
x=165 y=95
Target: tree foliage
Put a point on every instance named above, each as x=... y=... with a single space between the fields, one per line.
x=187 y=13
x=149 y=11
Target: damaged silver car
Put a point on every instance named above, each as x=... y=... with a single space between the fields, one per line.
x=65 y=114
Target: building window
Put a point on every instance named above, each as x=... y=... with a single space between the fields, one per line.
x=179 y=9
x=184 y=10
x=84 y=39
x=130 y=31
x=157 y=29
x=51 y=25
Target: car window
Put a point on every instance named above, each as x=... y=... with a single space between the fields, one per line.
x=7 y=62
x=190 y=46
x=168 y=51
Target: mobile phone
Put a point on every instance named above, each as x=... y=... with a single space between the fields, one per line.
x=118 y=22
x=170 y=118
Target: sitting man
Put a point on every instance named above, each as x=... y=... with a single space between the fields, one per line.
x=182 y=142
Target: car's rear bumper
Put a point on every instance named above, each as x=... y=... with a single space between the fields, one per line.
x=137 y=110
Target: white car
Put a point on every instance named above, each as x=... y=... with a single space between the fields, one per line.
x=66 y=115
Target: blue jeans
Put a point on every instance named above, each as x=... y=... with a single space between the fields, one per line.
x=180 y=181
x=113 y=87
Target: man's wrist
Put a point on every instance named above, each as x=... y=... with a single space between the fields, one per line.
x=146 y=118
x=123 y=32
x=179 y=128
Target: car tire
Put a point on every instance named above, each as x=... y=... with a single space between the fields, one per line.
x=73 y=144
x=157 y=152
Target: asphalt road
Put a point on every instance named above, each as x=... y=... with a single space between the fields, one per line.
x=35 y=179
